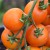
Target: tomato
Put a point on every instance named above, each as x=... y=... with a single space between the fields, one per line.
x=48 y=42
x=45 y=48
x=36 y=41
x=38 y=15
x=47 y=20
x=11 y=19
x=6 y=43
x=33 y=48
x=48 y=9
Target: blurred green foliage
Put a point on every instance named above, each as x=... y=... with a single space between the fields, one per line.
x=1 y=17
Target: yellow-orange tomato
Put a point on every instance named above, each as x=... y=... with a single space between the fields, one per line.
x=33 y=48
x=11 y=19
x=6 y=43
x=38 y=15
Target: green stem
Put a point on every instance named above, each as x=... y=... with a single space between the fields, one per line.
x=34 y=3
x=31 y=10
x=18 y=32
x=25 y=43
x=23 y=36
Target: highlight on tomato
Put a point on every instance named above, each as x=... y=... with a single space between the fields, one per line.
x=37 y=37
x=11 y=19
x=8 y=40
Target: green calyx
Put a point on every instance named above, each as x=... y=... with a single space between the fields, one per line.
x=23 y=19
x=38 y=32
x=42 y=6
x=49 y=2
x=12 y=39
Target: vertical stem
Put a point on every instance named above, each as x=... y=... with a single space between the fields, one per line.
x=23 y=36
x=19 y=46
x=34 y=3
x=30 y=13
x=25 y=43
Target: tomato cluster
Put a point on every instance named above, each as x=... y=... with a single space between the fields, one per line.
x=30 y=26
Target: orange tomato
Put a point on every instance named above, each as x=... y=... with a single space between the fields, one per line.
x=48 y=10
x=11 y=19
x=48 y=42
x=38 y=15
x=6 y=43
x=47 y=20
x=33 y=48
x=36 y=41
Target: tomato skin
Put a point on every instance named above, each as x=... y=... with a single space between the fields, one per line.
x=48 y=9
x=33 y=48
x=47 y=20
x=6 y=43
x=48 y=42
x=38 y=15
x=11 y=19
x=33 y=40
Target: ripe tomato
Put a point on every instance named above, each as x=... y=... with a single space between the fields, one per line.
x=33 y=48
x=48 y=9
x=33 y=40
x=6 y=43
x=48 y=42
x=44 y=47
x=47 y=20
x=11 y=19
x=38 y=15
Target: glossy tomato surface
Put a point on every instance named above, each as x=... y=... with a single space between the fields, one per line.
x=36 y=41
x=47 y=20
x=6 y=42
x=38 y=15
x=11 y=19
x=48 y=42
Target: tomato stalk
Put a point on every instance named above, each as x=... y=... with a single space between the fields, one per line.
x=23 y=36
x=42 y=5
x=37 y=31
x=27 y=24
